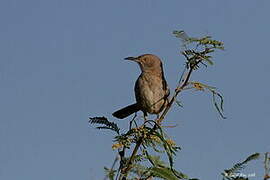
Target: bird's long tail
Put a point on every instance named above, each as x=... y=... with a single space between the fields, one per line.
x=126 y=111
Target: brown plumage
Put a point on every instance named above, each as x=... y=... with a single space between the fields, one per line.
x=151 y=90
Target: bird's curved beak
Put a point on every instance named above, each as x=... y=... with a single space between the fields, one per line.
x=131 y=58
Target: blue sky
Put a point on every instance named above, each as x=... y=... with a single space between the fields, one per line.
x=62 y=61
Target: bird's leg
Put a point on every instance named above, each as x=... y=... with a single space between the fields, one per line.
x=133 y=121
x=145 y=116
x=157 y=117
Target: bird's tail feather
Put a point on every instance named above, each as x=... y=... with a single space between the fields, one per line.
x=126 y=111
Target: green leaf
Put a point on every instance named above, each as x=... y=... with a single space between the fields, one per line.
x=209 y=61
x=110 y=173
x=164 y=173
x=156 y=161
x=179 y=103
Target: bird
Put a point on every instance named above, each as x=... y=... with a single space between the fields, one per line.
x=151 y=88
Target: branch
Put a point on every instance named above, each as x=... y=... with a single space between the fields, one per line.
x=176 y=92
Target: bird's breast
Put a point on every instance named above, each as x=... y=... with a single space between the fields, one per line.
x=150 y=93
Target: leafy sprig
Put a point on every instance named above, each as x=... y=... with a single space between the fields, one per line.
x=229 y=174
x=105 y=122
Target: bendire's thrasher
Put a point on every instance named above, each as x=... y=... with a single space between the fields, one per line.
x=151 y=89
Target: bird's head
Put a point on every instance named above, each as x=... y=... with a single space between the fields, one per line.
x=147 y=62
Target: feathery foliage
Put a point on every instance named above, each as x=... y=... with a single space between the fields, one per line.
x=105 y=122
x=231 y=174
x=109 y=173
x=196 y=52
x=199 y=49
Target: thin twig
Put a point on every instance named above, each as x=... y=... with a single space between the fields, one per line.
x=266 y=166
x=176 y=92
